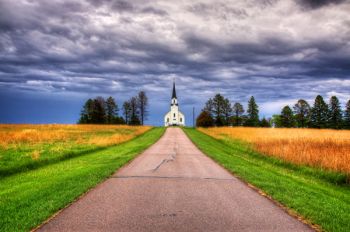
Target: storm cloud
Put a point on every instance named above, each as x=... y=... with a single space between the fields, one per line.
x=278 y=51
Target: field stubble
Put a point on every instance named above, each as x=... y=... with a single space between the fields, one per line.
x=326 y=149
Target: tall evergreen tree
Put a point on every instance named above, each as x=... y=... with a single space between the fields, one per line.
x=218 y=110
x=302 y=113
x=253 y=113
x=238 y=111
x=111 y=110
x=227 y=111
x=335 y=113
x=134 y=113
x=287 y=117
x=127 y=111
x=319 y=113
x=99 y=111
x=86 y=112
x=347 y=116
x=142 y=104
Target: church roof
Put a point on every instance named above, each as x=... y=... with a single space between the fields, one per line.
x=174 y=91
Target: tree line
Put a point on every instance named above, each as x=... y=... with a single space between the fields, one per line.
x=219 y=111
x=106 y=111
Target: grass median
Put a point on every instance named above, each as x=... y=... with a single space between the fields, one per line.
x=314 y=194
x=29 y=198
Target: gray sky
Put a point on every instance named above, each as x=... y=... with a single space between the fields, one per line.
x=55 y=54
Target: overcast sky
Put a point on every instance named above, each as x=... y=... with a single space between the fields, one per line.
x=55 y=54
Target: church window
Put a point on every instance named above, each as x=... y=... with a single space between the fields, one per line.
x=174 y=115
x=167 y=119
x=180 y=119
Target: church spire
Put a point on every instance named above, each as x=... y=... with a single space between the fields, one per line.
x=174 y=91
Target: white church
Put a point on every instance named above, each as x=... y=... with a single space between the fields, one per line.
x=174 y=117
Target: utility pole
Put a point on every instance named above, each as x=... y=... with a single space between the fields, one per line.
x=194 y=125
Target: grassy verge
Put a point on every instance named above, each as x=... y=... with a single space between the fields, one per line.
x=312 y=193
x=28 y=198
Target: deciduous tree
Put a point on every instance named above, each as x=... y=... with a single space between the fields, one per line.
x=204 y=119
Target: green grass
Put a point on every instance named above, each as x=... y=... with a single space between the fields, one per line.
x=28 y=198
x=320 y=197
x=17 y=157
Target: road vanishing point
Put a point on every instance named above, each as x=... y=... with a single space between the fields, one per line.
x=173 y=186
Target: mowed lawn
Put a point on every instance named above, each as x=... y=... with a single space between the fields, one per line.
x=31 y=194
x=319 y=196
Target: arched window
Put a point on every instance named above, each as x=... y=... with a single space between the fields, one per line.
x=174 y=115
x=167 y=119
x=180 y=119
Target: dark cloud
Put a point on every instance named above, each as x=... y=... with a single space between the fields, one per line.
x=275 y=50
x=314 y=4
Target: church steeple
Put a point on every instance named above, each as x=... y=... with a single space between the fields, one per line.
x=174 y=91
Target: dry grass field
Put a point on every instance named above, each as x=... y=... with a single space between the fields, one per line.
x=326 y=149
x=26 y=146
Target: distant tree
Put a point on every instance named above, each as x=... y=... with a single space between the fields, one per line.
x=127 y=112
x=111 y=110
x=335 y=118
x=276 y=121
x=142 y=104
x=134 y=112
x=99 y=111
x=347 y=116
x=319 y=113
x=209 y=107
x=218 y=109
x=287 y=117
x=302 y=113
x=265 y=123
x=86 y=112
x=204 y=119
x=227 y=111
x=238 y=111
x=253 y=113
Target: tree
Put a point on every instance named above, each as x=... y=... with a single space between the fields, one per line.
x=204 y=119
x=238 y=111
x=302 y=113
x=319 y=113
x=86 y=112
x=276 y=121
x=226 y=111
x=287 y=117
x=134 y=112
x=265 y=123
x=253 y=113
x=335 y=113
x=347 y=116
x=142 y=104
x=127 y=111
x=99 y=111
x=218 y=111
x=111 y=110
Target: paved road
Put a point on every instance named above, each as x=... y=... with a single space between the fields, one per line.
x=172 y=186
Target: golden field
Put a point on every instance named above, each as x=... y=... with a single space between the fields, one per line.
x=327 y=149
x=83 y=134
x=24 y=146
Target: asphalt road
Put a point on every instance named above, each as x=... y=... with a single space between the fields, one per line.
x=173 y=186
